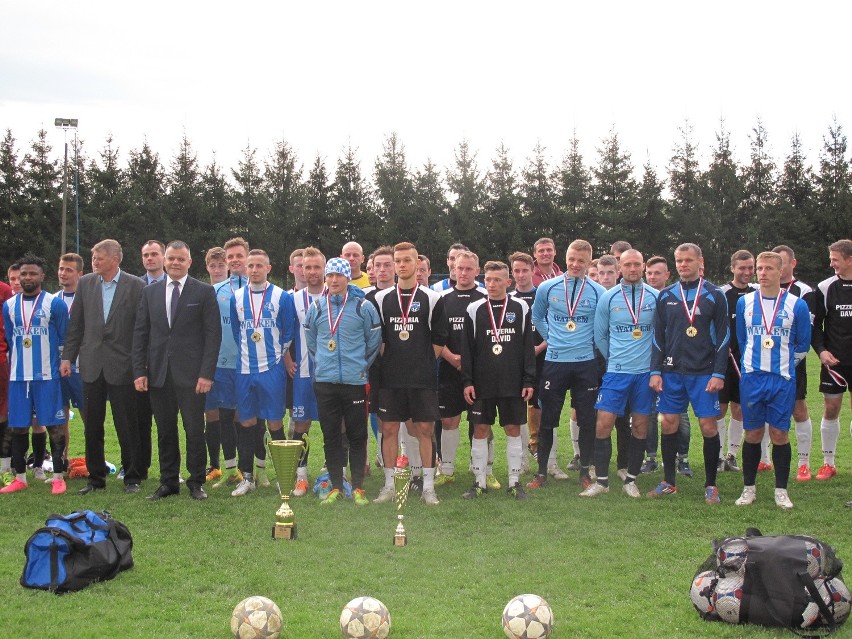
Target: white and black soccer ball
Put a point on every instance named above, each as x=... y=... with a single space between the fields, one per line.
x=527 y=617
x=256 y=618
x=841 y=599
x=365 y=618
x=813 y=552
x=731 y=555
x=701 y=592
x=728 y=598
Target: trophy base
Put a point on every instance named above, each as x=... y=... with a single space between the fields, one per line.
x=400 y=540
x=283 y=531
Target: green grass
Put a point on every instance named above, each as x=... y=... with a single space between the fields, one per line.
x=610 y=567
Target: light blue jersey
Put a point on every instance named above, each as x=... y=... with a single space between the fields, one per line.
x=262 y=323
x=304 y=362
x=228 y=347
x=35 y=330
x=790 y=335
x=623 y=337
x=569 y=335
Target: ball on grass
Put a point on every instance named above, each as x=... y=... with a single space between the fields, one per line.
x=527 y=617
x=256 y=618
x=365 y=618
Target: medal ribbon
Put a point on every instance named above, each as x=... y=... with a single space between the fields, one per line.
x=690 y=314
x=333 y=327
x=27 y=325
x=254 y=318
x=634 y=316
x=494 y=327
x=793 y=281
x=573 y=303
x=405 y=313
x=768 y=327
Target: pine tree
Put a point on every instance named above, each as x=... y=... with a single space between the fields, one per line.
x=467 y=195
x=577 y=219
x=217 y=202
x=651 y=222
x=834 y=195
x=502 y=225
x=321 y=228
x=614 y=195
x=722 y=194
x=758 y=229
x=146 y=217
x=42 y=201
x=106 y=205
x=11 y=203
x=250 y=200
x=283 y=225
x=430 y=209
x=187 y=219
x=538 y=199
x=354 y=209
x=395 y=192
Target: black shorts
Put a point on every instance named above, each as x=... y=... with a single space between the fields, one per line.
x=401 y=404
x=831 y=384
x=512 y=410
x=451 y=400
x=581 y=378
x=730 y=392
x=802 y=380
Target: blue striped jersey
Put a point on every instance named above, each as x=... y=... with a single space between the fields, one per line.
x=274 y=324
x=224 y=293
x=791 y=333
x=304 y=362
x=39 y=360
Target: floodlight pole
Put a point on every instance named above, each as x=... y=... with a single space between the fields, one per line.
x=65 y=124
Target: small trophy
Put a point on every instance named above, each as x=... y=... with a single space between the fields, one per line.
x=285 y=454
x=401 y=482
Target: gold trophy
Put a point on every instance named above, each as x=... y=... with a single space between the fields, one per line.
x=401 y=482
x=285 y=454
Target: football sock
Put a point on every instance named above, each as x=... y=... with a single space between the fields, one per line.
x=635 y=453
x=830 y=432
x=735 y=436
x=514 y=455
x=428 y=479
x=388 y=477
x=603 y=455
x=57 y=449
x=228 y=430
x=781 y=457
x=720 y=426
x=551 y=458
x=684 y=432
x=303 y=459
x=5 y=440
x=479 y=460
x=302 y=473
x=804 y=439
x=525 y=436
x=764 y=446
x=277 y=435
x=751 y=458
x=245 y=448
x=545 y=443
x=39 y=441
x=575 y=436
x=259 y=430
x=20 y=443
x=213 y=439
x=711 y=459
x=449 y=447
x=668 y=446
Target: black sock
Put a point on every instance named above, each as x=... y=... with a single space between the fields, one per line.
x=603 y=455
x=39 y=441
x=781 y=456
x=260 y=439
x=229 y=432
x=57 y=448
x=751 y=458
x=5 y=439
x=545 y=445
x=303 y=460
x=635 y=454
x=711 y=459
x=668 y=446
x=213 y=438
x=245 y=448
x=277 y=435
x=20 y=444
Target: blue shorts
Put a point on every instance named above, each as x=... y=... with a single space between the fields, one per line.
x=72 y=390
x=42 y=397
x=679 y=391
x=224 y=391
x=304 y=401
x=262 y=394
x=767 y=399
x=620 y=389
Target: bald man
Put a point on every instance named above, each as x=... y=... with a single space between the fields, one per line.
x=354 y=254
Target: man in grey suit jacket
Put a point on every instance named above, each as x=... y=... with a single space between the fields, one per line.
x=175 y=349
x=100 y=331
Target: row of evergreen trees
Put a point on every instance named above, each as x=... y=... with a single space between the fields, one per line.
x=496 y=209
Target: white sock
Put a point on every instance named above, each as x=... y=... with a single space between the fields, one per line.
x=260 y=463
x=21 y=477
x=514 y=454
x=302 y=473
x=5 y=464
x=804 y=440
x=735 y=436
x=402 y=438
x=829 y=430
x=449 y=448
x=575 y=437
x=389 y=478
x=720 y=426
x=764 y=447
x=379 y=456
x=551 y=461
x=57 y=476
x=525 y=436
x=428 y=479
x=230 y=463
x=412 y=445
x=479 y=460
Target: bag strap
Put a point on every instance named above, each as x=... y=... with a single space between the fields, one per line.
x=808 y=582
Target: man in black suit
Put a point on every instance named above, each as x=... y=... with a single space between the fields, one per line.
x=175 y=348
x=100 y=331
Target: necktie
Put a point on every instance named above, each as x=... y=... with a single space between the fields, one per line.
x=174 y=302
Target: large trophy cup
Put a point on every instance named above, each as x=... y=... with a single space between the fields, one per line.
x=285 y=454
x=401 y=483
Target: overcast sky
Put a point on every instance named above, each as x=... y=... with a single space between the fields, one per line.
x=323 y=75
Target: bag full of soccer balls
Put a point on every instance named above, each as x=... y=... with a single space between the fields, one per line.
x=789 y=581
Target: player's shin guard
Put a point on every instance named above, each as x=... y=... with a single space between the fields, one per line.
x=603 y=455
x=668 y=446
x=213 y=439
x=751 y=458
x=781 y=457
x=720 y=426
x=39 y=441
x=545 y=444
x=575 y=436
x=20 y=444
x=635 y=454
x=514 y=456
x=804 y=440
x=57 y=448
x=479 y=460
x=711 y=459
x=449 y=448
x=830 y=432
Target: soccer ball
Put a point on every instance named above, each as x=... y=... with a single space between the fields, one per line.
x=701 y=592
x=841 y=600
x=810 y=615
x=732 y=554
x=365 y=618
x=256 y=618
x=728 y=598
x=814 y=555
x=527 y=617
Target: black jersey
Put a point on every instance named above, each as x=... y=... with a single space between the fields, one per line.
x=408 y=360
x=732 y=295
x=498 y=365
x=455 y=306
x=832 y=330
x=374 y=375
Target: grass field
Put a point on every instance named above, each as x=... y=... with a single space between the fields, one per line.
x=610 y=567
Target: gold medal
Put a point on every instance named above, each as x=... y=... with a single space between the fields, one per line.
x=27 y=342
x=332 y=345
x=256 y=337
x=768 y=342
x=404 y=335
x=691 y=331
x=637 y=333
x=571 y=326
x=497 y=349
